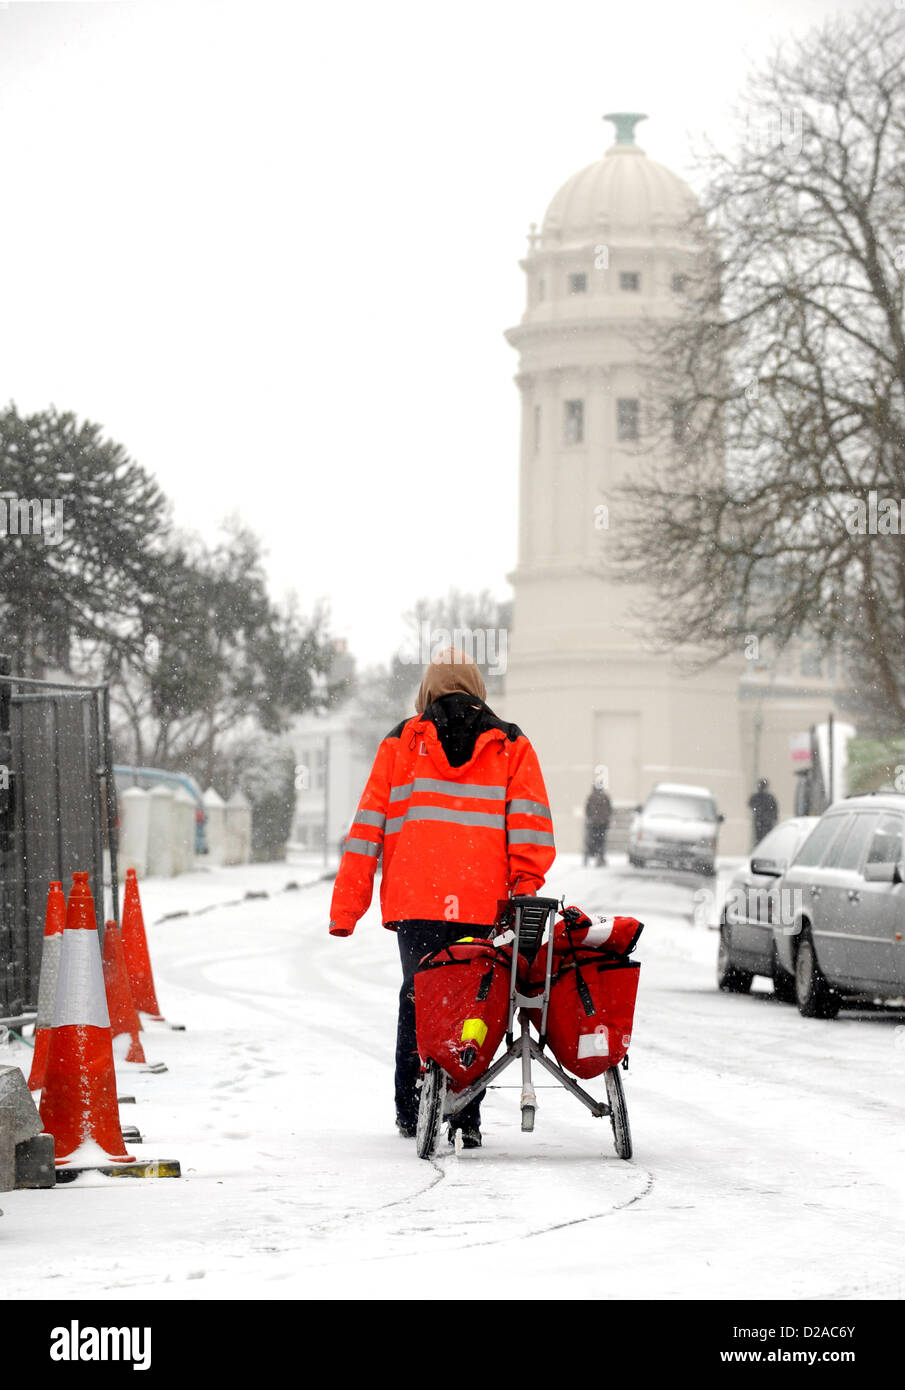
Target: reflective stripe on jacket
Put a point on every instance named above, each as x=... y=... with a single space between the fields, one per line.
x=455 y=840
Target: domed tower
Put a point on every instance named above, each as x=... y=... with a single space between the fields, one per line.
x=612 y=252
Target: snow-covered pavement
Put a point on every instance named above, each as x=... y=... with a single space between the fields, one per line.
x=768 y=1148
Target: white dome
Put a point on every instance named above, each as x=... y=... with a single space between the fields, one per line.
x=622 y=192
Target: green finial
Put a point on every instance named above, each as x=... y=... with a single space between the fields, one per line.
x=625 y=122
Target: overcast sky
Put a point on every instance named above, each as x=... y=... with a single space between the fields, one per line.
x=272 y=248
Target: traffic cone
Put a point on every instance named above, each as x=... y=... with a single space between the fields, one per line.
x=121 y=1005
x=78 y=1102
x=47 y=986
x=135 y=947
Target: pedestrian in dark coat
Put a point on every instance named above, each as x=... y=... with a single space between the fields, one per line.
x=766 y=811
x=597 y=812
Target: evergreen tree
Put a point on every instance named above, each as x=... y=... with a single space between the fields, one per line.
x=82 y=532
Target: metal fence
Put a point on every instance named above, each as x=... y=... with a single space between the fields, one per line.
x=57 y=815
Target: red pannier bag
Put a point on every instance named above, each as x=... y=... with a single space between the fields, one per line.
x=462 y=1005
x=617 y=936
x=592 y=1006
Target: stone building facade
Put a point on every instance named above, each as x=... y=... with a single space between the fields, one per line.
x=583 y=679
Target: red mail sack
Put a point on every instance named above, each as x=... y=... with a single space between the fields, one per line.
x=618 y=935
x=592 y=1008
x=462 y=1006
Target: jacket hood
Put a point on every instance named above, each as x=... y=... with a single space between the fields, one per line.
x=451 y=670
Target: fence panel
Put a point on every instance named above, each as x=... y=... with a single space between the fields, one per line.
x=55 y=820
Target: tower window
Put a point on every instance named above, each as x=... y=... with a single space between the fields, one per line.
x=627 y=414
x=629 y=280
x=578 y=283
x=678 y=284
x=574 y=422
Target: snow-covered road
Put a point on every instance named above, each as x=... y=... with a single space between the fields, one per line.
x=768 y=1148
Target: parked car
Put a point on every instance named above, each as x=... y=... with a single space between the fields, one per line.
x=148 y=777
x=677 y=826
x=847 y=941
x=747 y=946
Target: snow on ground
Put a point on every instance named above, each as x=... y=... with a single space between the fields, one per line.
x=768 y=1148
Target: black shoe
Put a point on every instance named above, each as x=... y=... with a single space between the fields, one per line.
x=471 y=1136
x=407 y=1131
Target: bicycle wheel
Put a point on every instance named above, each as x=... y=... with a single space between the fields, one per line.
x=429 y=1107
x=622 y=1134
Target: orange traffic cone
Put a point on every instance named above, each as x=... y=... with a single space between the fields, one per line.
x=121 y=1005
x=78 y=1102
x=47 y=986
x=135 y=947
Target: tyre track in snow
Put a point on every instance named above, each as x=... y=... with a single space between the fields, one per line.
x=202 y=972
x=442 y=1236
x=327 y=969
x=735 y=1067
x=787 y=1188
x=359 y=974
x=757 y=1150
x=258 y=1001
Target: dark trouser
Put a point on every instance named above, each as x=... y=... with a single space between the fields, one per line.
x=418 y=939
x=595 y=840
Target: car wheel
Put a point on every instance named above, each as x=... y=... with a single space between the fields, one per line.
x=783 y=982
x=708 y=869
x=728 y=977
x=814 y=996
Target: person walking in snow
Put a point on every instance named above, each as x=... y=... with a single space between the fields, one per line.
x=597 y=811
x=457 y=806
x=766 y=811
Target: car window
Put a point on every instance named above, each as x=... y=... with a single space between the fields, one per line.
x=847 y=851
x=819 y=840
x=779 y=844
x=680 y=807
x=886 y=846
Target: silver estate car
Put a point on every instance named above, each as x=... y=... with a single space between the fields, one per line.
x=847 y=939
x=752 y=905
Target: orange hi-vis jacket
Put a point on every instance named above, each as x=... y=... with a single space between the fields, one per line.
x=455 y=840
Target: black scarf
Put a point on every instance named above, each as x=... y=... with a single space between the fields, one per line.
x=459 y=719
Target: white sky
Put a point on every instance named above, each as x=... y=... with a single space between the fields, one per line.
x=272 y=248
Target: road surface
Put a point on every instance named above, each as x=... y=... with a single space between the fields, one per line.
x=768 y=1148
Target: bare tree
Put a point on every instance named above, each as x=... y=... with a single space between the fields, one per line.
x=219 y=658
x=478 y=622
x=780 y=391
x=386 y=693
